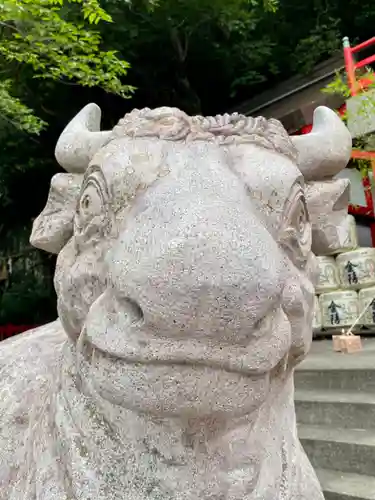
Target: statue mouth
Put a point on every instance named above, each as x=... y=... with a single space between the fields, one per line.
x=171 y=386
x=94 y=354
x=131 y=343
x=190 y=379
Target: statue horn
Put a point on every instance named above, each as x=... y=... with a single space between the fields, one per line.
x=80 y=140
x=326 y=150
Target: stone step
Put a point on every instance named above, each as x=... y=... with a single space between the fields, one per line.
x=335 y=379
x=341 y=409
x=325 y=369
x=345 y=450
x=346 y=486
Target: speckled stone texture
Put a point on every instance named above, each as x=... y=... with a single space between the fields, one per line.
x=185 y=298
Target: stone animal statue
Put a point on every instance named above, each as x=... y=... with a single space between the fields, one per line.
x=185 y=292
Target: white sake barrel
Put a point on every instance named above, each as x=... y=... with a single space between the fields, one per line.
x=339 y=309
x=347 y=236
x=328 y=275
x=357 y=268
x=317 y=318
x=366 y=297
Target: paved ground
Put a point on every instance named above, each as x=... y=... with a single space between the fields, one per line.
x=323 y=356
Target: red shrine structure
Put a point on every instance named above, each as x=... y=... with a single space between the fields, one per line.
x=294 y=101
x=358 y=85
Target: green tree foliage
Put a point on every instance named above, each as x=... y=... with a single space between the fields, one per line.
x=181 y=50
x=52 y=62
x=339 y=86
x=204 y=56
x=49 y=37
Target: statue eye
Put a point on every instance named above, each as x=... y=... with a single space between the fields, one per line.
x=86 y=202
x=299 y=220
x=295 y=234
x=90 y=205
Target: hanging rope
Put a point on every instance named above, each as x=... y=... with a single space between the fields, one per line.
x=349 y=332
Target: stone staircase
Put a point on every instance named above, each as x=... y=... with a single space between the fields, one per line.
x=335 y=405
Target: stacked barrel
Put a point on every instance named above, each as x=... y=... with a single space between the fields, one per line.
x=346 y=286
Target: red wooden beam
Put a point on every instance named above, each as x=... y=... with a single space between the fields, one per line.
x=9 y=330
x=349 y=66
x=363 y=45
x=363 y=155
x=365 y=62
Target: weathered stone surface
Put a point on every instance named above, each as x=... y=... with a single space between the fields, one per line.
x=54 y=226
x=185 y=300
x=328 y=207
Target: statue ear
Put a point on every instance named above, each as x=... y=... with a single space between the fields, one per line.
x=53 y=228
x=327 y=202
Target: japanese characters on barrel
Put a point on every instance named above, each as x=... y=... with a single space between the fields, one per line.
x=346 y=284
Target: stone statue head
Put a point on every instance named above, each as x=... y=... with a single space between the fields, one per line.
x=185 y=264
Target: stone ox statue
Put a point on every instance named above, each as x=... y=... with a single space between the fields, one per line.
x=185 y=298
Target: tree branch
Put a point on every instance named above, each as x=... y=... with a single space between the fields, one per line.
x=180 y=47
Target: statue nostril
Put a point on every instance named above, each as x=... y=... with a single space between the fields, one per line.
x=114 y=306
x=134 y=310
x=130 y=308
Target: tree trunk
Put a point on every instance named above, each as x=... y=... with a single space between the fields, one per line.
x=190 y=98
